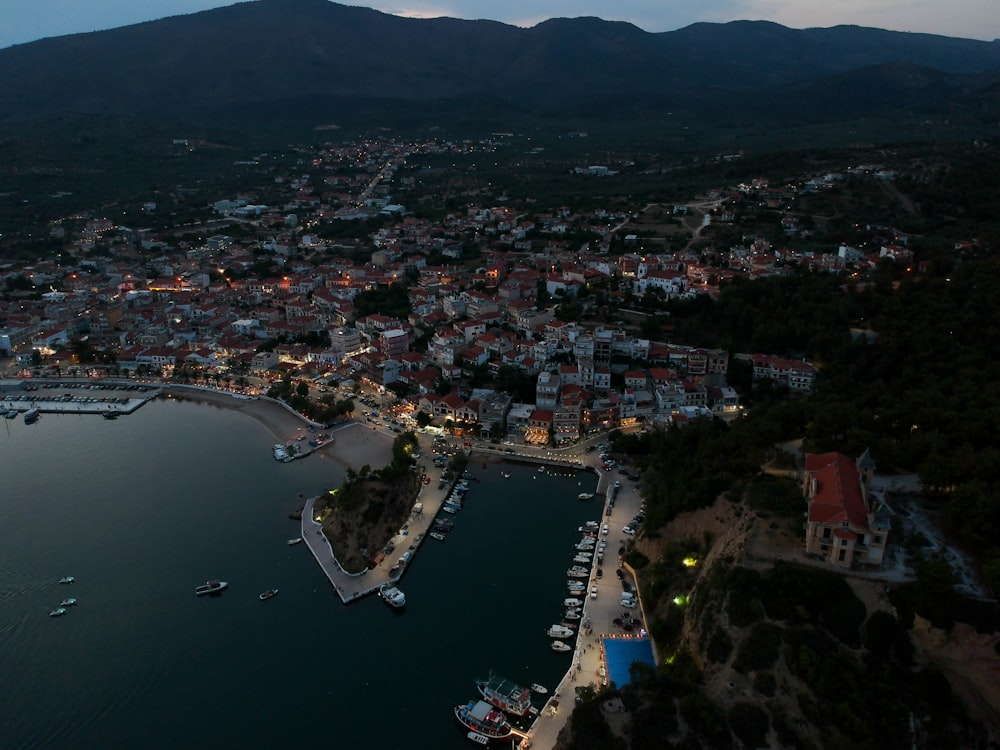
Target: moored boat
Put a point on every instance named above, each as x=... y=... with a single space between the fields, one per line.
x=479 y=739
x=572 y=602
x=572 y=614
x=211 y=587
x=32 y=415
x=484 y=719
x=573 y=573
x=269 y=594
x=443 y=524
x=392 y=595
x=559 y=631
x=437 y=535
x=540 y=689
x=585 y=496
x=296 y=540
x=560 y=647
x=505 y=694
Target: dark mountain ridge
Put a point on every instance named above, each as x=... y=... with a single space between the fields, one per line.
x=255 y=55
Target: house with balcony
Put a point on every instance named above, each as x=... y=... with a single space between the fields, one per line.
x=845 y=524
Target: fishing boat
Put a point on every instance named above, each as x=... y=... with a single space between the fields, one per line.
x=211 y=587
x=269 y=594
x=31 y=416
x=437 y=535
x=392 y=595
x=559 y=631
x=560 y=647
x=296 y=540
x=67 y=602
x=505 y=694
x=67 y=579
x=484 y=719
x=540 y=689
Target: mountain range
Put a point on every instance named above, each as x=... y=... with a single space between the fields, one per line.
x=261 y=58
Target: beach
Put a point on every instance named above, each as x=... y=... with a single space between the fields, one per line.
x=353 y=446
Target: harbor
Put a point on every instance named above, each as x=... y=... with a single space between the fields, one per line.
x=110 y=399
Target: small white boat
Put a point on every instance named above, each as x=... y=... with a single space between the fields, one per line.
x=296 y=540
x=506 y=474
x=572 y=602
x=67 y=602
x=560 y=647
x=572 y=614
x=210 y=587
x=270 y=593
x=392 y=596
x=585 y=496
x=559 y=631
x=480 y=739
x=57 y=612
x=540 y=689
x=437 y=535
x=67 y=579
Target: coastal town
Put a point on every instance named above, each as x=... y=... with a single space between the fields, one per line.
x=329 y=304
x=503 y=324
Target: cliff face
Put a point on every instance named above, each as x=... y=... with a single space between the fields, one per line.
x=761 y=652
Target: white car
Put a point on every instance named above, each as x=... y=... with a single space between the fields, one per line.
x=628 y=530
x=604 y=530
x=593 y=592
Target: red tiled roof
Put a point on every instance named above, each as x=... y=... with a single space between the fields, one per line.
x=838 y=491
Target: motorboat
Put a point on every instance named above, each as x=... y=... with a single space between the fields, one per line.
x=585 y=496
x=576 y=585
x=437 y=535
x=585 y=544
x=31 y=416
x=269 y=594
x=211 y=587
x=296 y=540
x=559 y=631
x=482 y=718
x=12 y=414
x=572 y=602
x=575 y=572
x=443 y=524
x=572 y=614
x=540 y=689
x=57 y=612
x=67 y=602
x=560 y=647
x=67 y=579
x=392 y=595
x=447 y=508
x=479 y=739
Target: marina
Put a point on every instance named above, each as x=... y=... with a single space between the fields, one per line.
x=138 y=576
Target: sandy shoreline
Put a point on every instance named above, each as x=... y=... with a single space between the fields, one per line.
x=353 y=446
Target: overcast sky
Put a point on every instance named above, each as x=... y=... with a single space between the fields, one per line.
x=26 y=20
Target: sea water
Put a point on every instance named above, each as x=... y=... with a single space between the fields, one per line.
x=142 y=509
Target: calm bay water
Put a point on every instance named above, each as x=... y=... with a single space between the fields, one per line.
x=142 y=509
